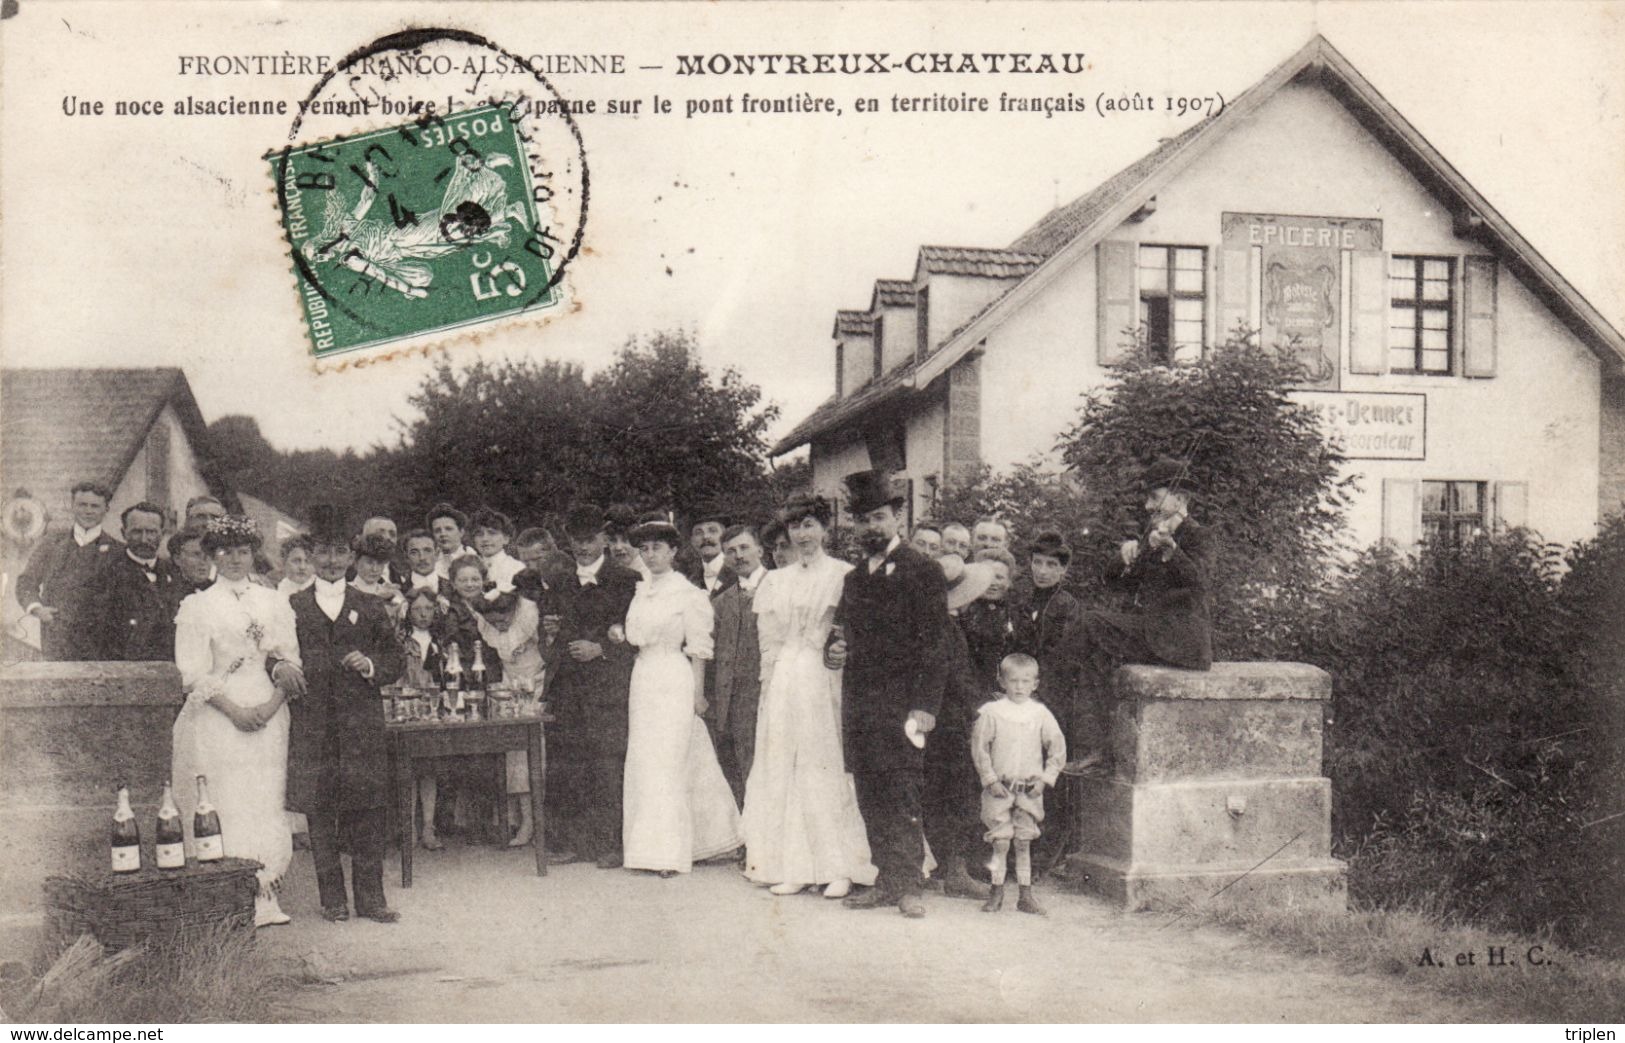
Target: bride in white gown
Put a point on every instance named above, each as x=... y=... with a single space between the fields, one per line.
x=233 y=727
x=801 y=820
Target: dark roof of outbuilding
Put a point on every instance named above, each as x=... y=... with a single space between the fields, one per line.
x=61 y=426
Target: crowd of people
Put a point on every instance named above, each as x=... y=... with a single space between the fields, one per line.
x=734 y=691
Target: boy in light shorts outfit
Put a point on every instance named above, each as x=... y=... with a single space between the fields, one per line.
x=1018 y=749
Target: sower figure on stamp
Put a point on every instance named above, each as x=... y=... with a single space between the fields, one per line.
x=588 y=685
x=338 y=755
x=892 y=620
x=1167 y=570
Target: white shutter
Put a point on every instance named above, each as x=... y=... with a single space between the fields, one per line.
x=1478 y=317
x=1402 y=512
x=1236 y=291
x=1117 y=312
x=1511 y=505
x=1368 y=304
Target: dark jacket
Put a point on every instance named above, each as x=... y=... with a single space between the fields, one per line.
x=738 y=655
x=1173 y=596
x=962 y=693
x=895 y=622
x=133 y=611
x=338 y=755
x=589 y=700
x=993 y=630
x=1041 y=638
x=62 y=575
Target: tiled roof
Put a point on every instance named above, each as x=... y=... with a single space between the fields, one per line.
x=834 y=412
x=59 y=426
x=1063 y=224
x=854 y=324
x=978 y=260
x=894 y=293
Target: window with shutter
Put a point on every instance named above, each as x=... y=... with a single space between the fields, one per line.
x=1421 y=314
x=1173 y=302
x=1478 y=342
x=1368 y=319
x=1116 y=311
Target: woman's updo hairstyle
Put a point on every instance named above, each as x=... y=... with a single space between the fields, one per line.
x=660 y=531
x=806 y=505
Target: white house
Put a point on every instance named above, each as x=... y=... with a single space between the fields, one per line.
x=1471 y=384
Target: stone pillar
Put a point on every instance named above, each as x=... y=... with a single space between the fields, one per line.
x=1216 y=794
x=69 y=734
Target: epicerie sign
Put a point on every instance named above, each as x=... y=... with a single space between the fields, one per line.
x=1372 y=425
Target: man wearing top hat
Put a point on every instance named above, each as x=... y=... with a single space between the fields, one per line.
x=588 y=684
x=1167 y=571
x=892 y=622
x=338 y=755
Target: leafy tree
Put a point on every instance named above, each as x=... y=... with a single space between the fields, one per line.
x=1267 y=477
x=655 y=429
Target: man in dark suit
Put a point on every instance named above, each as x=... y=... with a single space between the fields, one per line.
x=133 y=607
x=589 y=680
x=338 y=756
x=708 y=568
x=1167 y=571
x=737 y=663
x=893 y=622
x=63 y=571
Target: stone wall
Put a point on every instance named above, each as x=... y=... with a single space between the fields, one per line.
x=1216 y=792
x=70 y=733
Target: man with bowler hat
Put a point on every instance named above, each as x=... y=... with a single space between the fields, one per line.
x=1167 y=571
x=588 y=684
x=890 y=629
x=338 y=755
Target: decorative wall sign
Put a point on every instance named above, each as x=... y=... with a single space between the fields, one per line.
x=1302 y=281
x=1372 y=425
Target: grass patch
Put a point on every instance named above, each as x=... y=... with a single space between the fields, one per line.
x=1568 y=987
x=220 y=976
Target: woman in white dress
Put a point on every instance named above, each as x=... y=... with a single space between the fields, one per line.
x=677 y=807
x=234 y=724
x=802 y=826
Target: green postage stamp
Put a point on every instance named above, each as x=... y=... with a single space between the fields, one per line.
x=427 y=227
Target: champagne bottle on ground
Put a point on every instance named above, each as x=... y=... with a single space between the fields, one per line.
x=171 y=844
x=206 y=826
x=126 y=835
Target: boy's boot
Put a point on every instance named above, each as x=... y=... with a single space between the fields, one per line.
x=1027 y=903
x=995 y=899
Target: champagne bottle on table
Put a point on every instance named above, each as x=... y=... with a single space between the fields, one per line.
x=476 y=681
x=170 y=846
x=454 y=679
x=126 y=835
x=206 y=838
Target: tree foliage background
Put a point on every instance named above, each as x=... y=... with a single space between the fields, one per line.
x=656 y=428
x=1267 y=478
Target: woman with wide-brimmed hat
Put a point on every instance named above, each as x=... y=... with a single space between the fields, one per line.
x=238 y=655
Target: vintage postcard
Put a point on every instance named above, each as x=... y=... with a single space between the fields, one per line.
x=812 y=512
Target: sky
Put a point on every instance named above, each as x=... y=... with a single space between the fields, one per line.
x=154 y=241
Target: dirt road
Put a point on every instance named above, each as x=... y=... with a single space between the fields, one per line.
x=483 y=939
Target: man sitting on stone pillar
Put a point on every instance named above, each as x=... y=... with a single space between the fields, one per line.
x=1167 y=570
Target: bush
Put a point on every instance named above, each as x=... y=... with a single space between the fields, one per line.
x=1475 y=739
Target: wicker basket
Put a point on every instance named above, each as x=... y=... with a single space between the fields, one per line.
x=157 y=906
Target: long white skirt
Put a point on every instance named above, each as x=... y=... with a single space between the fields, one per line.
x=801 y=818
x=678 y=808
x=247 y=773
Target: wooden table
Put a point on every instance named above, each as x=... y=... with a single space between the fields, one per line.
x=410 y=740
